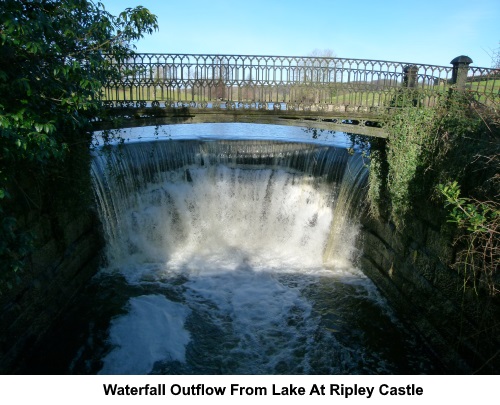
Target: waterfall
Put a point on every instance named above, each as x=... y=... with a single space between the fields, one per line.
x=239 y=259
x=280 y=200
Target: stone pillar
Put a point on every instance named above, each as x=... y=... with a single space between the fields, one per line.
x=410 y=76
x=460 y=68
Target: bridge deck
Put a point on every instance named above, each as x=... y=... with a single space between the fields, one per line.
x=362 y=123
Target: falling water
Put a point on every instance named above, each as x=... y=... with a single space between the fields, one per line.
x=236 y=257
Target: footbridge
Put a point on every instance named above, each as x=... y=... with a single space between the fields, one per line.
x=350 y=95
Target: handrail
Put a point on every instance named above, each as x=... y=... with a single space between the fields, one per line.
x=204 y=80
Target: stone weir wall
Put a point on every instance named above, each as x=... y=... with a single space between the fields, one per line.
x=66 y=257
x=461 y=325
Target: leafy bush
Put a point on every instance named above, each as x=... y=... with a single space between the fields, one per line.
x=52 y=68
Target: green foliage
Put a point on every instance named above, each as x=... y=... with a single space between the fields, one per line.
x=377 y=182
x=479 y=222
x=410 y=146
x=406 y=97
x=452 y=150
x=52 y=69
x=467 y=164
x=474 y=216
x=53 y=63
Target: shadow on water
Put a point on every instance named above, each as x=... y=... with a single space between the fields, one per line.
x=345 y=330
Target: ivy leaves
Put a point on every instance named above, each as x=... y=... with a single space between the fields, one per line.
x=410 y=144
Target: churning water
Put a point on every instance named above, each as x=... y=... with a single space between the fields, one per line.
x=235 y=257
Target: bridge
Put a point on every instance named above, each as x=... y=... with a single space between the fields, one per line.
x=349 y=95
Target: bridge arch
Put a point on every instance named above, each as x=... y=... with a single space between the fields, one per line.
x=350 y=95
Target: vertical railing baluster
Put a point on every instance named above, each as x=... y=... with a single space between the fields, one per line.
x=308 y=80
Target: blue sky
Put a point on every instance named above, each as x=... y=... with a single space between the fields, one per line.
x=420 y=31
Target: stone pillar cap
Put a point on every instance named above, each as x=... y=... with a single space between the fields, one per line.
x=461 y=59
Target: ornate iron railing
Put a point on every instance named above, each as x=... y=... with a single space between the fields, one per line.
x=290 y=83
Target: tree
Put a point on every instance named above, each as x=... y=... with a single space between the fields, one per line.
x=495 y=58
x=316 y=68
x=53 y=63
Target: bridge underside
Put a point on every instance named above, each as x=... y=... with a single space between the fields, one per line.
x=351 y=122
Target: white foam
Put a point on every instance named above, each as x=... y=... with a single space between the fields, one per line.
x=249 y=244
x=260 y=308
x=151 y=331
x=267 y=216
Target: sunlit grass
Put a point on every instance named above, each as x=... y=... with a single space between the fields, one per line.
x=357 y=94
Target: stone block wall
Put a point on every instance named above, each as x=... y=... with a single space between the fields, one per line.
x=66 y=256
x=459 y=323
